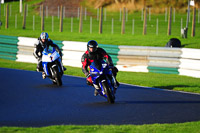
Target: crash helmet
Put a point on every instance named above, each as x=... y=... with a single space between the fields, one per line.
x=92 y=44
x=44 y=36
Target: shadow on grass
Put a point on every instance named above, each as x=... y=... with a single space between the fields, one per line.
x=184 y=45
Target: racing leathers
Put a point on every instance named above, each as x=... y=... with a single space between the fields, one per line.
x=88 y=58
x=39 y=46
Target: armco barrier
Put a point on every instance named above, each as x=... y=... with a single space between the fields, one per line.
x=190 y=62
x=149 y=59
x=8 y=47
x=73 y=52
x=112 y=50
x=25 y=52
x=182 y=61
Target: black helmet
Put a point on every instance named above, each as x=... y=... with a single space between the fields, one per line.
x=92 y=44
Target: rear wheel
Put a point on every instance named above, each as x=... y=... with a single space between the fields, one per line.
x=108 y=92
x=57 y=75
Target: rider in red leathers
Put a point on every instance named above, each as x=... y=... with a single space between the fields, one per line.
x=94 y=52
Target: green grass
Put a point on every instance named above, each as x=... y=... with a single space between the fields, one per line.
x=190 y=127
x=136 y=39
x=163 y=81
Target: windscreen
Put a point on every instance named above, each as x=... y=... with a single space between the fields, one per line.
x=97 y=64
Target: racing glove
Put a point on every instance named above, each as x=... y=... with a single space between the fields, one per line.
x=89 y=80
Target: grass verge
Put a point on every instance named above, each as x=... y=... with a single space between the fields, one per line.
x=188 y=127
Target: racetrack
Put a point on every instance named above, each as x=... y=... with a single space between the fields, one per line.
x=28 y=100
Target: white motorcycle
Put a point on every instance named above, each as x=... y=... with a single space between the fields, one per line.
x=52 y=65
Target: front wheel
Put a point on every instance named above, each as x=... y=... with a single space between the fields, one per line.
x=108 y=92
x=57 y=77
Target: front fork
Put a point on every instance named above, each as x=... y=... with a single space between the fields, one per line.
x=60 y=66
x=101 y=90
x=114 y=81
x=110 y=82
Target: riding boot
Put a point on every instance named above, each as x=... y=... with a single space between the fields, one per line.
x=116 y=84
x=97 y=89
x=43 y=75
x=64 y=68
x=39 y=66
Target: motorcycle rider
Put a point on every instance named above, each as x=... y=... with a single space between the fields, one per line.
x=94 y=52
x=42 y=43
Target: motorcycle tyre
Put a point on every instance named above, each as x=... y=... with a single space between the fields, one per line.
x=107 y=90
x=57 y=77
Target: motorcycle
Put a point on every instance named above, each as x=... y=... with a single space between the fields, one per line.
x=52 y=65
x=102 y=75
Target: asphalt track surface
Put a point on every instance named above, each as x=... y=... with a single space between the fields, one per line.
x=26 y=100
